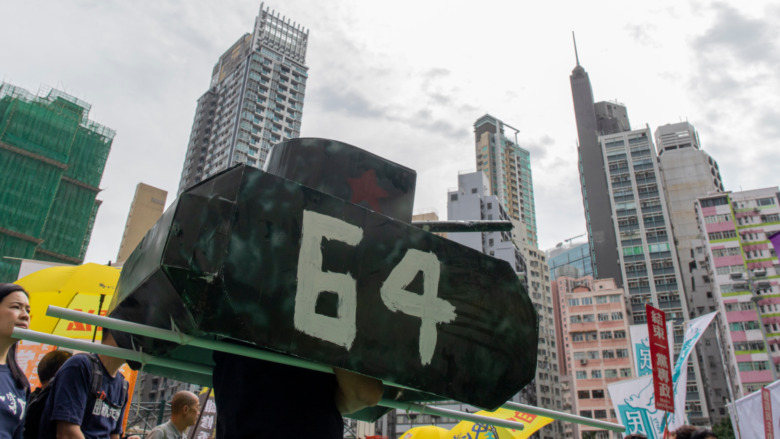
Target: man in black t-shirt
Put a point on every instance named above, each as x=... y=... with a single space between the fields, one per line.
x=72 y=412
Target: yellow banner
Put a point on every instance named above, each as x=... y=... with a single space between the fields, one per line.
x=470 y=430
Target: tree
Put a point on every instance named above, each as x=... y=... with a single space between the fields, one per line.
x=723 y=429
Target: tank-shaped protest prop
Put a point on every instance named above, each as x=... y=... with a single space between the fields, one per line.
x=316 y=258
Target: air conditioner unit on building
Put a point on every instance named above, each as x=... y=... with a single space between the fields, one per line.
x=583 y=361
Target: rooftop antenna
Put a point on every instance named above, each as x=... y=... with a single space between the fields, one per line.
x=576 y=55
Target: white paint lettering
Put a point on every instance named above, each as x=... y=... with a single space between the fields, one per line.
x=312 y=281
x=428 y=307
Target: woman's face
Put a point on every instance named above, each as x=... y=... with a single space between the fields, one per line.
x=14 y=313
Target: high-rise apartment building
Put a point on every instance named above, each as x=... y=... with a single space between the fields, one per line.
x=508 y=169
x=254 y=101
x=593 y=120
x=598 y=351
x=147 y=207
x=472 y=200
x=689 y=173
x=745 y=269
x=52 y=158
x=647 y=252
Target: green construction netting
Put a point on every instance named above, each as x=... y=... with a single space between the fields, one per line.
x=68 y=221
x=44 y=139
x=19 y=248
x=29 y=187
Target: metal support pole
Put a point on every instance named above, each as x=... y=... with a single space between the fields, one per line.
x=430 y=410
x=184 y=339
x=561 y=416
x=161 y=412
x=111 y=351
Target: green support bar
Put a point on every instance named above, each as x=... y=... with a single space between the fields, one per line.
x=112 y=351
x=184 y=339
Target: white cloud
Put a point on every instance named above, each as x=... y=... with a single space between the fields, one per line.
x=407 y=80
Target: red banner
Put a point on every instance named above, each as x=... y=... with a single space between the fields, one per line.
x=660 y=359
x=766 y=401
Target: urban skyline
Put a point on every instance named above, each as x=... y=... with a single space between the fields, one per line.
x=379 y=89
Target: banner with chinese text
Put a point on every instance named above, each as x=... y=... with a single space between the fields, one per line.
x=640 y=345
x=206 y=427
x=659 y=358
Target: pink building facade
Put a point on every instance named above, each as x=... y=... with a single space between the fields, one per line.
x=745 y=270
x=596 y=344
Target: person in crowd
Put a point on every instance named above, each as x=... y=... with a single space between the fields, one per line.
x=14 y=387
x=185 y=408
x=704 y=434
x=73 y=411
x=47 y=368
x=684 y=432
x=635 y=436
x=271 y=394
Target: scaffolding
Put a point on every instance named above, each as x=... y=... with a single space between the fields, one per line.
x=52 y=159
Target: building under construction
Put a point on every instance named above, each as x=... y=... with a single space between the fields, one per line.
x=51 y=161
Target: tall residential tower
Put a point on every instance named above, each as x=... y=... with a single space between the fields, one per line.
x=508 y=169
x=254 y=101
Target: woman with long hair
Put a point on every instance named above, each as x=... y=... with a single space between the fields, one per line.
x=14 y=387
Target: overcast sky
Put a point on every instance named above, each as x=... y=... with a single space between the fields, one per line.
x=408 y=79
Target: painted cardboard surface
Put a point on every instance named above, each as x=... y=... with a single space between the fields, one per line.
x=254 y=257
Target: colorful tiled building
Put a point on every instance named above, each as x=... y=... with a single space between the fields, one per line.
x=744 y=266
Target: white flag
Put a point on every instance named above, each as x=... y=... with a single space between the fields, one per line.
x=750 y=413
x=634 y=403
x=693 y=332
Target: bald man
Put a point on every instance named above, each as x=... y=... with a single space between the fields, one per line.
x=184 y=413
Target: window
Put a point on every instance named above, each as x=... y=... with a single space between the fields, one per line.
x=746 y=366
x=593 y=355
x=578 y=336
x=622 y=353
x=583 y=394
x=581 y=375
x=765 y=201
x=595 y=373
x=586 y=413
x=587 y=300
x=625 y=373
x=744 y=326
x=574 y=302
x=615 y=298
x=601 y=299
x=600 y=414
x=598 y=394
x=603 y=317
x=608 y=353
x=575 y=319
x=617 y=315
x=610 y=373
x=588 y=318
x=620 y=334
x=606 y=335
